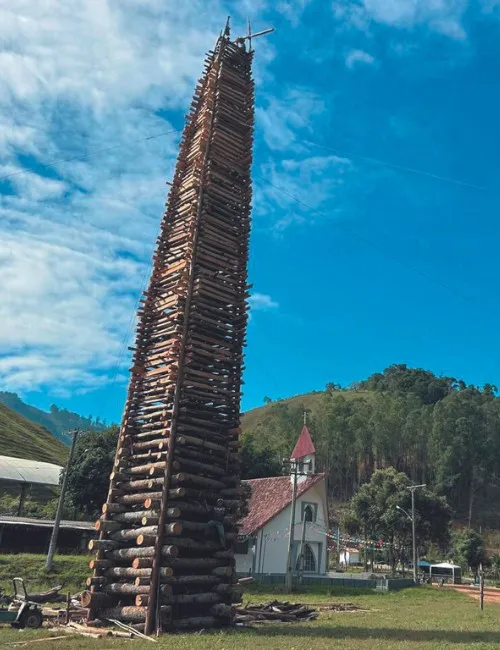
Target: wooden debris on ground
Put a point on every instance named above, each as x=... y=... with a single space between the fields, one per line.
x=275 y=611
x=75 y=613
x=33 y=641
x=90 y=631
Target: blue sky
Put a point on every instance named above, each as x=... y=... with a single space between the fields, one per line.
x=376 y=171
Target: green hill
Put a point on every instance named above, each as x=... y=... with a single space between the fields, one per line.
x=58 y=421
x=312 y=402
x=438 y=430
x=23 y=439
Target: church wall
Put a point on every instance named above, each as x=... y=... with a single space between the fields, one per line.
x=271 y=544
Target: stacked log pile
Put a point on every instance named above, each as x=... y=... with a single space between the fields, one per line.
x=165 y=554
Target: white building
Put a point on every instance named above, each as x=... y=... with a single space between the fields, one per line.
x=263 y=545
x=349 y=557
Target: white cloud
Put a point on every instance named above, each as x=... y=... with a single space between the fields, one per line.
x=262 y=301
x=293 y=10
x=444 y=16
x=281 y=119
x=357 y=57
x=299 y=190
x=88 y=79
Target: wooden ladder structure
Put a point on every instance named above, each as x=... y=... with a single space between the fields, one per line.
x=165 y=554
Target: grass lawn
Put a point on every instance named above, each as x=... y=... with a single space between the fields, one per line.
x=426 y=617
x=70 y=571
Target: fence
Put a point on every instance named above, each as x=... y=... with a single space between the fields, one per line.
x=383 y=584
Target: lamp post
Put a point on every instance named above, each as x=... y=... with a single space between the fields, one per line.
x=411 y=517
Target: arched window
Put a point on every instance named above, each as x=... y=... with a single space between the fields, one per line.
x=308 y=513
x=309 y=560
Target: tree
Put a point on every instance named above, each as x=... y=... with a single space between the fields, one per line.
x=257 y=463
x=495 y=565
x=468 y=549
x=437 y=430
x=379 y=508
x=267 y=400
x=401 y=380
x=88 y=477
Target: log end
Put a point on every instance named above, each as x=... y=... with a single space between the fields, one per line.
x=175 y=528
x=141 y=600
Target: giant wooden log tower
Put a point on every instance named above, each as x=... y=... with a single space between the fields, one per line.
x=165 y=553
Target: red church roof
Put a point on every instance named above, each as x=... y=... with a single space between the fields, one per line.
x=269 y=497
x=304 y=446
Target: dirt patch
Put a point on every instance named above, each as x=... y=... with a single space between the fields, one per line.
x=491 y=594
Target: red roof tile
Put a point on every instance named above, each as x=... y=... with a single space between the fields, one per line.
x=304 y=445
x=269 y=497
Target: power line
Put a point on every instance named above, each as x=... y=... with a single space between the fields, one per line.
x=386 y=163
x=90 y=153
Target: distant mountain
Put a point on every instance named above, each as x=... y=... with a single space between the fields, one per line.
x=23 y=439
x=57 y=421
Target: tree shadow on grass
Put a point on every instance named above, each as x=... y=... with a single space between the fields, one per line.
x=388 y=634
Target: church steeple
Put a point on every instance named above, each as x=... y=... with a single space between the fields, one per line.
x=304 y=451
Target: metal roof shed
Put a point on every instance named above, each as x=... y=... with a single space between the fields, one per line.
x=30 y=535
x=25 y=473
x=21 y=470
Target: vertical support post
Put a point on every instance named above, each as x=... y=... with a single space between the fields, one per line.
x=22 y=498
x=302 y=549
x=481 y=589
x=68 y=607
x=338 y=545
x=414 y=538
x=57 y=520
x=289 y=563
x=412 y=489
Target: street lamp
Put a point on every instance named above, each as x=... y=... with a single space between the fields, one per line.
x=405 y=512
x=411 y=517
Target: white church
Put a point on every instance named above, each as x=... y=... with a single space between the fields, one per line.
x=264 y=532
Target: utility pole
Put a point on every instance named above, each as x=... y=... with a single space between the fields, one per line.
x=57 y=520
x=297 y=468
x=412 y=489
x=302 y=549
x=289 y=561
x=481 y=588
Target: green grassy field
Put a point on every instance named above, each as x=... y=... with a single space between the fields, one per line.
x=418 y=619
x=70 y=571
x=21 y=438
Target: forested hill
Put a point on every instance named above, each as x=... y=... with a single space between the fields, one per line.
x=438 y=430
x=58 y=421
